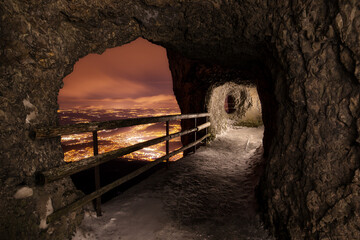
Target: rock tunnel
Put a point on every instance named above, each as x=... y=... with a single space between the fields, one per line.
x=303 y=57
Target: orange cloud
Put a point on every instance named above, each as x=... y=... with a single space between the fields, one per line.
x=101 y=86
x=159 y=101
x=134 y=75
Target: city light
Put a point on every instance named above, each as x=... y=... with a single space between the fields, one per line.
x=79 y=146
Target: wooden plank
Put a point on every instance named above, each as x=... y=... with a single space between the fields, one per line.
x=49 y=132
x=86 y=199
x=86 y=163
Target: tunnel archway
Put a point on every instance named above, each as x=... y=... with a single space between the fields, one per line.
x=308 y=55
x=129 y=81
x=201 y=78
x=242 y=106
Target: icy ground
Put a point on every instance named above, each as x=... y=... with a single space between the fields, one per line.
x=207 y=195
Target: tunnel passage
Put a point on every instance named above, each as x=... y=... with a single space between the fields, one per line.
x=195 y=83
x=242 y=106
x=309 y=51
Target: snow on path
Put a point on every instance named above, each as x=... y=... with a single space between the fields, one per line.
x=207 y=195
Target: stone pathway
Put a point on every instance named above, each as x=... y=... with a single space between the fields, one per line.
x=207 y=195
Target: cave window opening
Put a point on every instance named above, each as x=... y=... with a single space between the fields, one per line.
x=129 y=81
x=230 y=104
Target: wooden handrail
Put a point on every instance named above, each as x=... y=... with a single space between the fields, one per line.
x=86 y=163
x=49 y=132
x=203 y=126
x=94 y=161
x=86 y=199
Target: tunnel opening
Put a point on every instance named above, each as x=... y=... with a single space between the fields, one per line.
x=242 y=106
x=129 y=81
x=195 y=81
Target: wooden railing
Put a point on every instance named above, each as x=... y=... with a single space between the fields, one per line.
x=66 y=170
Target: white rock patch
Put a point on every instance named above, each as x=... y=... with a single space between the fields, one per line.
x=23 y=192
x=49 y=210
x=28 y=104
x=32 y=115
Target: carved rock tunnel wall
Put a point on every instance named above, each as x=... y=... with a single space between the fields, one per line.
x=303 y=55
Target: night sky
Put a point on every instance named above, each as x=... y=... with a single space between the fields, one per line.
x=131 y=76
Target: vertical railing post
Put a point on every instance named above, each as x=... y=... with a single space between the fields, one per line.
x=167 y=143
x=195 y=134
x=97 y=174
x=206 y=129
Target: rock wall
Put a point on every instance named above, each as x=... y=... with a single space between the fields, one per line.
x=311 y=184
x=304 y=56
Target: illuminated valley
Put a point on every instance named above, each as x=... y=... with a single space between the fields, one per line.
x=79 y=146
